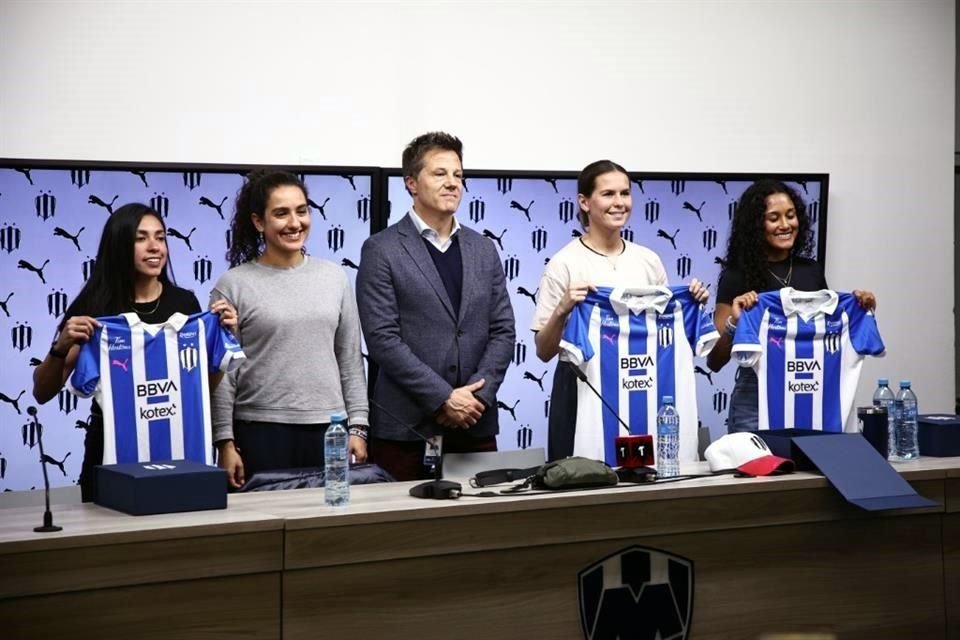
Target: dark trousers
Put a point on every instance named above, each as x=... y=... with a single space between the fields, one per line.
x=269 y=446
x=562 y=422
x=404 y=459
x=744 y=402
x=92 y=457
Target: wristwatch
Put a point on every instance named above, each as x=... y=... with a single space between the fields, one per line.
x=61 y=355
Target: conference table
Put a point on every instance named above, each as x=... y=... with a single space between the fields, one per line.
x=765 y=555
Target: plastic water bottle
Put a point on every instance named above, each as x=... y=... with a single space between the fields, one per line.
x=883 y=397
x=668 y=439
x=908 y=448
x=336 y=466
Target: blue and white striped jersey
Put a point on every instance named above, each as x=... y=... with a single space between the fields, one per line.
x=635 y=345
x=152 y=384
x=807 y=349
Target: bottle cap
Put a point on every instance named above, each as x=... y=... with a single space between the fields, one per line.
x=883 y=382
x=667 y=399
x=904 y=384
x=337 y=417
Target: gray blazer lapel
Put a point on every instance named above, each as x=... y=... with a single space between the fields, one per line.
x=413 y=244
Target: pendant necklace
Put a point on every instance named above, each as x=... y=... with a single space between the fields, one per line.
x=611 y=260
x=785 y=281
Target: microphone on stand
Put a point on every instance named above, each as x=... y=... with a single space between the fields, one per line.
x=634 y=453
x=48 y=525
x=583 y=378
x=436 y=489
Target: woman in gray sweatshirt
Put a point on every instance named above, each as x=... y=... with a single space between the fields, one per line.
x=300 y=332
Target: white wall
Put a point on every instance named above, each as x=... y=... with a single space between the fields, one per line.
x=862 y=90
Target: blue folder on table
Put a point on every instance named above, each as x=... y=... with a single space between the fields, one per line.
x=859 y=473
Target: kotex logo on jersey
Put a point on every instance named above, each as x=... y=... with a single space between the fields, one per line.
x=153 y=399
x=803 y=375
x=638 y=372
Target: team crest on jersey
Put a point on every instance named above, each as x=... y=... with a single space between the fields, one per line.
x=831 y=342
x=665 y=335
x=638 y=592
x=189 y=357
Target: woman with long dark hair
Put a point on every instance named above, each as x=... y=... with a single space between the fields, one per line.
x=131 y=274
x=300 y=332
x=769 y=249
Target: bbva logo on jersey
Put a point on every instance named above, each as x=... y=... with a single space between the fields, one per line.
x=156 y=388
x=803 y=365
x=638 y=592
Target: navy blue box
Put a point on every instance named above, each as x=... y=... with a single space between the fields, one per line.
x=781 y=444
x=939 y=434
x=168 y=486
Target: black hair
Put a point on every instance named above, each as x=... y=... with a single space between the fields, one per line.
x=110 y=288
x=252 y=199
x=747 y=247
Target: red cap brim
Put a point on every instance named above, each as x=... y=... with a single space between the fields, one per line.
x=766 y=466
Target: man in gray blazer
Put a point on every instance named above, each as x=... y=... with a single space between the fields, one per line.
x=436 y=317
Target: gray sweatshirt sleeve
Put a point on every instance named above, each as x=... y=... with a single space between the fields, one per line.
x=347 y=348
x=221 y=401
x=222 y=406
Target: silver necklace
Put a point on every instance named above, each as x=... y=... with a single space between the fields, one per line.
x=783 y=281
x=611 y=260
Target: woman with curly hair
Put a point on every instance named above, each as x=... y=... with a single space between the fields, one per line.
x=300 y=332
x=769 y=248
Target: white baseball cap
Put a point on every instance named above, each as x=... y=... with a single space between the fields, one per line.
x=747 y=453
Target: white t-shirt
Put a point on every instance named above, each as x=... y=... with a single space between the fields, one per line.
x=636 y=267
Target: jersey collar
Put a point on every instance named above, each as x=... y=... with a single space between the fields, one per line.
x=640 y=299
x=807 y=304
x=176 y=321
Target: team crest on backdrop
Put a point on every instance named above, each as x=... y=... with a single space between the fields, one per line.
x=51 y=219
x=685 y=221
x=50 y=225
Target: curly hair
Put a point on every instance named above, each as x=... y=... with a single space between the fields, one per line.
x=587 y=182
x=747 y=248
x=251 y=201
